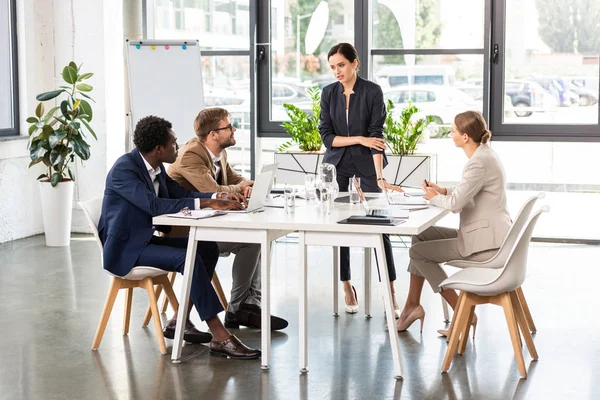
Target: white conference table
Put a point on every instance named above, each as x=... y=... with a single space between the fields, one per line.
x=314 y=229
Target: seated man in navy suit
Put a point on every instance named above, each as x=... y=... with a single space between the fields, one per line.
x=137 y=189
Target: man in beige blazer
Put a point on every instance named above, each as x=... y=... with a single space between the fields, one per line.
x=202 y=166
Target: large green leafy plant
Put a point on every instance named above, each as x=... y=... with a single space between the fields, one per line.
x=403 y=135
x=58 y=136
x=304 y=129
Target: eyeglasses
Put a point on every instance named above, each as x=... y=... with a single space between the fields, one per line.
x=230 y=127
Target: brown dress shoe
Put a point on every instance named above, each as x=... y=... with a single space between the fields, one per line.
x=190 y=334
x=233 y=348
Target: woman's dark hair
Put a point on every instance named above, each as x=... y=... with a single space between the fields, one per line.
x=473 y=124
x=345 y=49
x=150 y=132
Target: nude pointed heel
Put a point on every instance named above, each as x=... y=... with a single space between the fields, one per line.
x=417 y=314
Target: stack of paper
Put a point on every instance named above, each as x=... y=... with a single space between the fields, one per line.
x=198 y=214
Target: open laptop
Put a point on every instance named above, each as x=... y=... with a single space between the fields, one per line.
x=260 y=190
x=271 y=168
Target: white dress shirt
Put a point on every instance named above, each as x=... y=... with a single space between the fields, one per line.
x=154 y=178
x=216 y=163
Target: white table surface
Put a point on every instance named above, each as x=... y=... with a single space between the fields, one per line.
x=314 y=227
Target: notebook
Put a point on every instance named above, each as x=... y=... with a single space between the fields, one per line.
x=260 y=191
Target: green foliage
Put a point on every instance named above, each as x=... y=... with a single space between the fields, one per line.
x=403 y=135
x=570 y=26
x=304 y=129
x=58 y=137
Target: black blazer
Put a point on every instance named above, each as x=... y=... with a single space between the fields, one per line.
x=366 y=117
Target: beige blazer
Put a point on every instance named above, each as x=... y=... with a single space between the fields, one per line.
x=480 y=198
x=194 y=170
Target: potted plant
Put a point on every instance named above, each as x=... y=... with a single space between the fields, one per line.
x=57 y=138
x=304 y=132
x=402 y=136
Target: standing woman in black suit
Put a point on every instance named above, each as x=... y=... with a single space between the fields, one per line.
x=351 y=127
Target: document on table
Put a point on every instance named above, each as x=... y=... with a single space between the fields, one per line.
x=198 y=214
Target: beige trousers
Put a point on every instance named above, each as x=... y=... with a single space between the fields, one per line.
x=434 y=246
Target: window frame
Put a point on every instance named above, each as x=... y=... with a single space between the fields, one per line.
x=526 y=132
x=12 y=26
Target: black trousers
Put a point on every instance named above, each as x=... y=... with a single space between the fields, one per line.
x=346 y=170
x=168 y=253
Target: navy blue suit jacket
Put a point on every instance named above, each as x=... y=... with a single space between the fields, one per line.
x=366 y=117
x=129 y=204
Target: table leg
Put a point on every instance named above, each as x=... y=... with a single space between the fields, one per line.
x=336 y=281
x=265 y=260
x=389 y=308
x=303 y=303
x=188 y=273
x=367 y=282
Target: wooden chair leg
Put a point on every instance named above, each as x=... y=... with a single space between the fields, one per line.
x=169 y=293
x=127 y=313
x=165 y=303
x=217 y=285
x=148 y=314
x=108 y=305
x=521 y=321
x=460 y=296
x=461 y=319
x=514 y=332
x=526 y=310
x=462 y=345
x=148 y=284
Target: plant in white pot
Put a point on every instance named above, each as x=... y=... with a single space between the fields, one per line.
x=402 y=136
x=304 y=128
x=57 y=138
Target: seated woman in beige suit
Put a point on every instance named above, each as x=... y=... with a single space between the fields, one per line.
x=480 y=198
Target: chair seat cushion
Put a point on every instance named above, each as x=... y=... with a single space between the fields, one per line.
x=141 y=272
x=480 y=281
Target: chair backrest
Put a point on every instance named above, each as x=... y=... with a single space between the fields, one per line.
x=513 y=273
x=92 y=210
x=499 y=259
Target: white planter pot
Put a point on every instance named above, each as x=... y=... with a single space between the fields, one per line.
x=293 y=166
x=57 y=209
x=401 y=170
x=410 y=170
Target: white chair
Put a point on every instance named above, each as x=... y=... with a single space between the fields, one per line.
x=141 y=276
x=499 y=259
x=496 y=286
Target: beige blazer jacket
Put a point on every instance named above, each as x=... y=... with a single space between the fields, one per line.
x=194 y=170
x=480 y=198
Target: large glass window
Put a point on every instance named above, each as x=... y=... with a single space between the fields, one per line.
x=8 y=70
x=217 y=24
x=548 y=66
x=430 y=53
x=301 y=34
x=222 y=28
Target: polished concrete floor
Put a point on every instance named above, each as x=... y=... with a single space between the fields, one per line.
x=51 y=300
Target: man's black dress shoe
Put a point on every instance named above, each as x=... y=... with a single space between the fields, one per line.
x=233 y=348
x=191 y=334
x=250 y=315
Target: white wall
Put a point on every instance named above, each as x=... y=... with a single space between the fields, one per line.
x=50 y=35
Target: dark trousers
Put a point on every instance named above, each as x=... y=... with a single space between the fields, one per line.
x=345 y=170
x=168 y=253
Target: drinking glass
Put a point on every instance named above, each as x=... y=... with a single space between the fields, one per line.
x=310 y=185
x=290 y=200
x=353 y=186
x=326 y=194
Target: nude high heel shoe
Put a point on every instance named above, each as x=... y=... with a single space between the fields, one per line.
x=351 y=309
x=417 y=314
